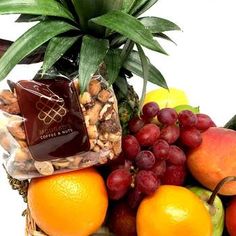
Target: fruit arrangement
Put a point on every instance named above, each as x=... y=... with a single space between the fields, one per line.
x=86 y=153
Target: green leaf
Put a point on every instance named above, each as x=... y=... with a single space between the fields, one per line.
x=128 y=5
x=126 y=50
x=29 y=41
x=92 y=53
x=130 y=27
x=231 y=124
x=158 y=25
x=145 y=7
x=35 y=7
x=133 y=64
x=145 y=67
x=56 y=49
x=29 y=18
x=180 y=108
x=113 y=65
x=64 y=3
x=164 y=36
x=87 y=9
x=35 y=57
x=122 y=84
x=118 y=40
x=138 y=4
x=109 y=5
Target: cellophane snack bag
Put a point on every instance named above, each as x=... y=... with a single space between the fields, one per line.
x=48 y=127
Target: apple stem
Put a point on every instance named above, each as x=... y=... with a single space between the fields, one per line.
x=218 y=187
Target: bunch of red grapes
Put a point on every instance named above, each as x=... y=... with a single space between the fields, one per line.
x=154 y=152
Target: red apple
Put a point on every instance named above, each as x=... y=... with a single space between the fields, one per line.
x=230 y=217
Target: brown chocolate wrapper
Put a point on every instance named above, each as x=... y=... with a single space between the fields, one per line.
x=48 y=127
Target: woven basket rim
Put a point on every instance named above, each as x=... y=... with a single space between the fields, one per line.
x=31 y=228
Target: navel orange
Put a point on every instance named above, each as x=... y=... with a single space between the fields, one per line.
x=70 y=204
x=173 y=210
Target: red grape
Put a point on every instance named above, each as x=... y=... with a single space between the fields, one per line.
x=167 y=116
x=145 y=160
x=170 y=133
x=191 y=137
x=122 y=220
x=159 y=168
x=118 y=183
x=187 y=118
x=176 y=156
x=146 y=182
x=120 y=163
x=160 y=149
x=135 y=196
x=135 y=124
x=174 y=175
x=148 y=135
x=116 y=195
x=204 y=122
x=130 y=146
x=150 y=109
x=145 y=119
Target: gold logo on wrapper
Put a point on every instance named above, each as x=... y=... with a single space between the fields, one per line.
x=52 y=109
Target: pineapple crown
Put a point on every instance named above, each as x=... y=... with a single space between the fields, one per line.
x=94 y=31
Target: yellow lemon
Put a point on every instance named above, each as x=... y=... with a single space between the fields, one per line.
x=167 y=98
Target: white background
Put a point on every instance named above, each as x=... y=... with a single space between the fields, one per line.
x=203 y=64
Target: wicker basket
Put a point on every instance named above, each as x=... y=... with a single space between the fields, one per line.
x=31 y=228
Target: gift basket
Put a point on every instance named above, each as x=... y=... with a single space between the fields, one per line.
x=90 y=157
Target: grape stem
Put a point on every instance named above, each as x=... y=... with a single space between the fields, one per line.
x=218 y=187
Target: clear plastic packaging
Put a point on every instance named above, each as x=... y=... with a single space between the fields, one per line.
x=47 y=127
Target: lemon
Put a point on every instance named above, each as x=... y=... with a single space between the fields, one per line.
x=167 y=98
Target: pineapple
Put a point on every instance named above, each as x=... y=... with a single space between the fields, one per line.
x=81 y=37
x=77 y=36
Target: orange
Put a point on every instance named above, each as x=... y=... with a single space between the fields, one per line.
x=70 y=204
x=173 y=210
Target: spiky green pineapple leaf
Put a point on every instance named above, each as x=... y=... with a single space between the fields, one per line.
x=137 y=6
x=30 y=41
x=55 y=50
x=113 y=65
x=145 y=68
x=128 y=5
x=92 y=53
x=126 y=50
x=164 y=36
x=133 y=64
x=35 y=7
x=35 y=57
x=130 y=27
x=64 y=3
x=122 y=84
x=87 y=9
x=29 y=18
x=109 y=5
x=118 y=41
x=144 y=7
x=155 y=24
x=158 y=25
